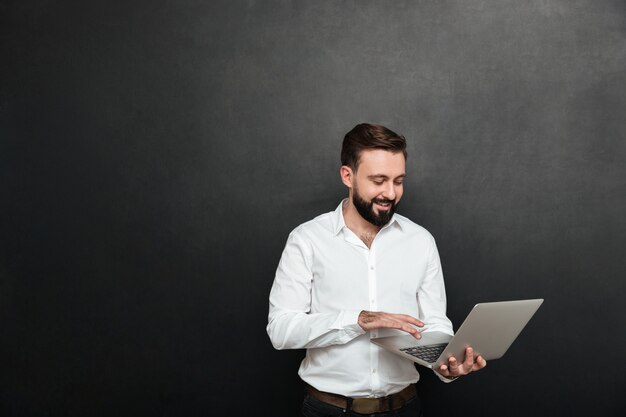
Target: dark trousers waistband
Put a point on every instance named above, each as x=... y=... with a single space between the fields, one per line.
x=365 y=405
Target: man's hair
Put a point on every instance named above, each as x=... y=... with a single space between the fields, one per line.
x=366 y=136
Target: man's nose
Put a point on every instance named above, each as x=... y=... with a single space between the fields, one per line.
x=390 y=192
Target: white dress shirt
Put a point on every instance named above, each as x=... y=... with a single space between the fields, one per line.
x=327 y=276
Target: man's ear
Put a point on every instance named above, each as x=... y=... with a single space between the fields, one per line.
x=347 y=175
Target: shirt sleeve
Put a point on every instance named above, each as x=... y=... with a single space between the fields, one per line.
x=291 y=325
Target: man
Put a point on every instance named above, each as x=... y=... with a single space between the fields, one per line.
x=360 y=272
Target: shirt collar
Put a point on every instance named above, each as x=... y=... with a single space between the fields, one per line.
x=339 y=222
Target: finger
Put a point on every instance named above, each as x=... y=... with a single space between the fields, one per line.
x=370 y=320
x=469 y=358
x=411 y=330
x=395 y=324
x=369 y=317
x=410 y=319
x=444 y=370
x=480 y=363
x=453 y=366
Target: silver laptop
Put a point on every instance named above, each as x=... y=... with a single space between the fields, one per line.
x=490 y=328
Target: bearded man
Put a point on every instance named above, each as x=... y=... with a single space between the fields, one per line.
x=358 y=273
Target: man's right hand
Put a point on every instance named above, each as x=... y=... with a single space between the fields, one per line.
x=370 y=320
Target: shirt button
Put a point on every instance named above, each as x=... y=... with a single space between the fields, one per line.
x=373 y=371
x=372 y=267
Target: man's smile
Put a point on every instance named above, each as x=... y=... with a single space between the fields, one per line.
x=383 y=204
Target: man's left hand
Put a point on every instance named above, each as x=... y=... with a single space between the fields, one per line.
x=453 y=369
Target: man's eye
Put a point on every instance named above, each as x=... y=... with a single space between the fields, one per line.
x=378 y=182
x=398 y=182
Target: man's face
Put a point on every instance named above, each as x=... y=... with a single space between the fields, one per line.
x=377 y=185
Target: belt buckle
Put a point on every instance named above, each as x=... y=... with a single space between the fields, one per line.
x=366 y=405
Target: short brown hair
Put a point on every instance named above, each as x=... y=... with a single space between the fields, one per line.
x=368 y=136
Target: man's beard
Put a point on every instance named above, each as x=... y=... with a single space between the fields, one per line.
x=366 y=209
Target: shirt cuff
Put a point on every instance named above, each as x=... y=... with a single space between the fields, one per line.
x=348 y=321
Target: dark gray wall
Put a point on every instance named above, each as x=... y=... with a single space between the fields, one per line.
x=154 y=155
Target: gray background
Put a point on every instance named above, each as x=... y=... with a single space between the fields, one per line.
x=154 y=155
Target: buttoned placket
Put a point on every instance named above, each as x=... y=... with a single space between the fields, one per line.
x=373 y=306
x=370 y=259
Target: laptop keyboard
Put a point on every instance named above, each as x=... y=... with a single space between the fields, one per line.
x=428 y=353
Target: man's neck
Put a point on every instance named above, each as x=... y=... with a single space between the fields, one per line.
x=365 y=230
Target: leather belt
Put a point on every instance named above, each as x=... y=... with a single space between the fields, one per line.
x=365 y=405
